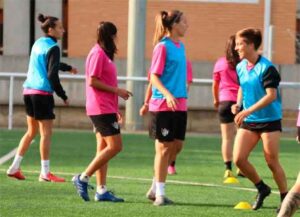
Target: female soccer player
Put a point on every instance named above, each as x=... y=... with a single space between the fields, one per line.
x=261 y=115
x=292 y=201
x=145 y=108
x=42 y=80
x=168 y=103
x=102 y=107
x=225 y=88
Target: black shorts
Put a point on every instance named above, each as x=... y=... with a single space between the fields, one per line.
x=262 y=127
x=166 y=126
x=106 y=124
x=224 y=110
x=40 y=107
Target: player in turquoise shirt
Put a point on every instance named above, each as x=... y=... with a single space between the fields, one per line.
x=260 y=117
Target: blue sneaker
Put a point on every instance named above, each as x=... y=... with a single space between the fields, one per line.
x=107 y=196
x=81 y=187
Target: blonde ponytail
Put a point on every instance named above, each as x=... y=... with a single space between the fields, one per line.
x=160 y=29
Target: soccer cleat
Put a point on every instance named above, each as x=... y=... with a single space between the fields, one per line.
x=81 y=187
x=228 y=173
x=171 y=170
x=162 y=201
x=17 y=175
x=50 y=178
x=150 y=195
x=108 y=196
x=260 y=197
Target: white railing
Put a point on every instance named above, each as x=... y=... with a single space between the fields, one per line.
x=12 y=75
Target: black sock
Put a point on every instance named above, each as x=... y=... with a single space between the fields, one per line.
x=172 y=163
x=228 y=165
x=282 y=196
x=261 y=185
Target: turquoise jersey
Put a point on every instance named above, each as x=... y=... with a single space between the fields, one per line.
x=174 y=73
x=253 y=90
x=37 y=75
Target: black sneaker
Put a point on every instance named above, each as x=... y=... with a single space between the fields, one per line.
x=261 y=195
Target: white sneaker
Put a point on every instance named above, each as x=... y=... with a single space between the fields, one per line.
x=150 y=195
x=162 y=201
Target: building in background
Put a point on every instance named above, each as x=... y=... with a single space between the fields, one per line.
x=210 y=24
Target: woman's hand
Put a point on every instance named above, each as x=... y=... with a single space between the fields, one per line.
x=66 y=102
x=235 y=108
x=144 y=109
x=298 y=135
x=124 y=94
x=74 y=71
x=119 y=118
x=171 y=102
x=239 y=118
x=216 y=104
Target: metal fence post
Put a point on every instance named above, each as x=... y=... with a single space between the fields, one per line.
x=11 y=102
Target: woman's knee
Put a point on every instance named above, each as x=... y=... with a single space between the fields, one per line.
x=31 y=133
x=272 y=163
x=239 y=161
x=164 y=150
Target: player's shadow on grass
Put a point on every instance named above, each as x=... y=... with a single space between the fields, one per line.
x=202 y=204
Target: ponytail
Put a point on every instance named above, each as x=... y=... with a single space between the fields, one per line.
x=164 y=22
x=160 y=29
x=232 y=55
x=106 y=32
x=47 y=22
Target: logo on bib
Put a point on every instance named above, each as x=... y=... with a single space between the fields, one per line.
x=164 y=131
x=115 y=125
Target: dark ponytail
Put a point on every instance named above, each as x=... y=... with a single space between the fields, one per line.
x=106 y=33
x=232 y=55
x=47 y=22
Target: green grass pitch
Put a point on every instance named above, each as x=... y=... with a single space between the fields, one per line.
x=197 y=189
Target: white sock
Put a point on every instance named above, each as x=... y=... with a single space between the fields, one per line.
x=84 y=177
x=160 y=189
x=101 y=189
x=153 y=185
x=15 y=164
x=45 y=169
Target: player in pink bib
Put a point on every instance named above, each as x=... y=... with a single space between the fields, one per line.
x=102 y=107
x=225 y=88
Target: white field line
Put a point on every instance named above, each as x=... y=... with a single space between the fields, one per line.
x=177 y=182
x=8 y=156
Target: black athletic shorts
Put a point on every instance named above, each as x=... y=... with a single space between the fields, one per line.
x=40 y=107
x=166 y=126
x=106 y=124
x=225 y=114
x=263 y=127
